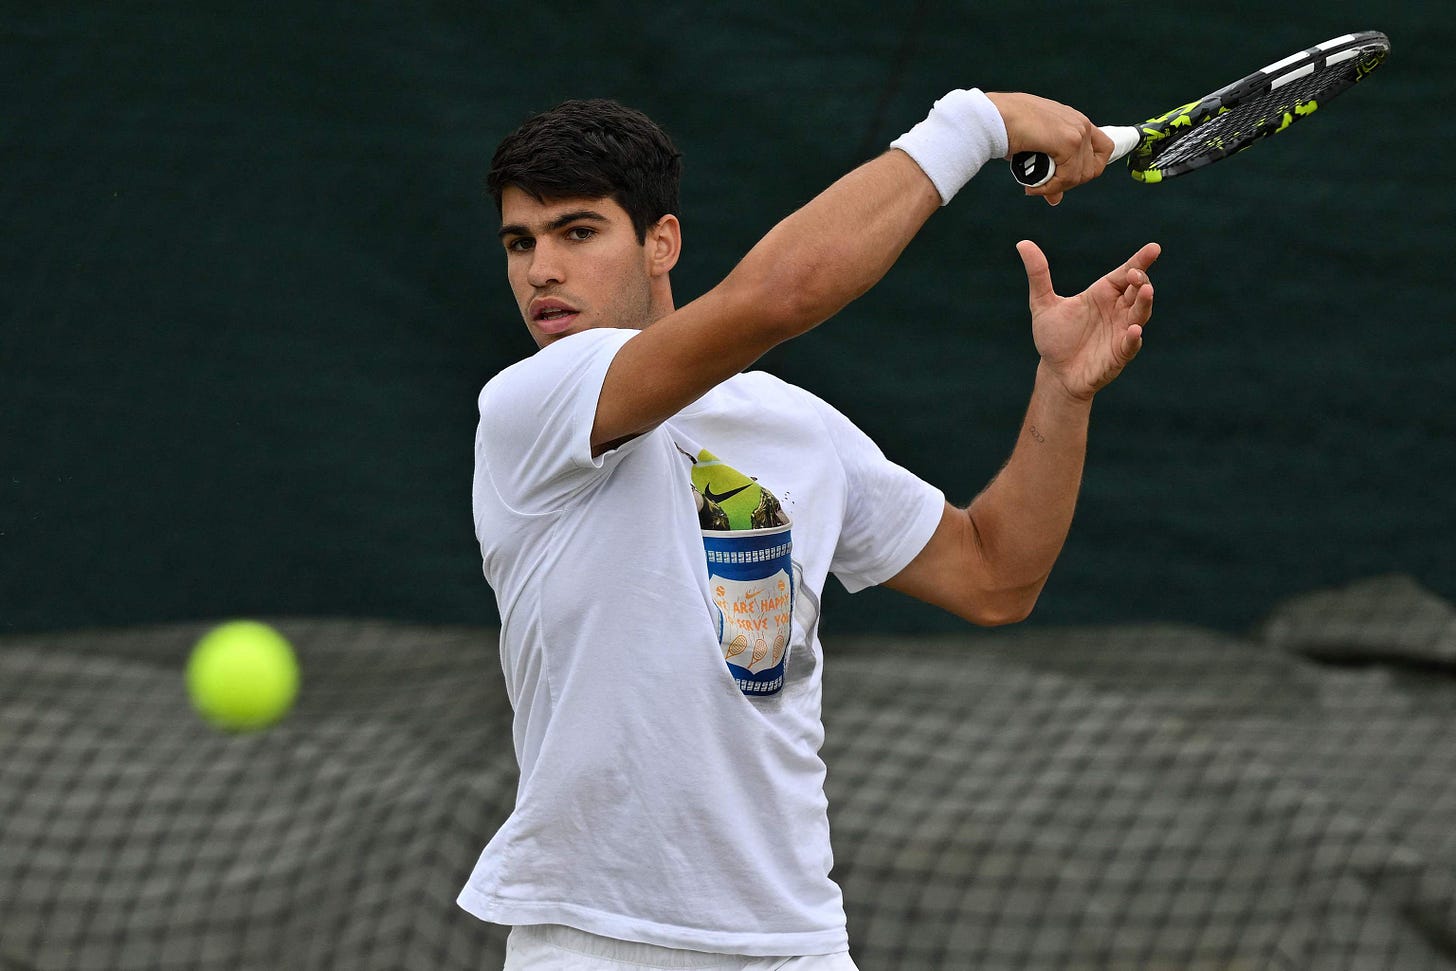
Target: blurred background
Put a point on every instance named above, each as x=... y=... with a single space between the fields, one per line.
x=249 y=291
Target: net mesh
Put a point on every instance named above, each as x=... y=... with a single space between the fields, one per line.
x=1149 y=797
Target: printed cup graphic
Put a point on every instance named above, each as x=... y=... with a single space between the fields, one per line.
x=751 y=577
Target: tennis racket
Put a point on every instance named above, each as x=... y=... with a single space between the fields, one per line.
x=1234 y=117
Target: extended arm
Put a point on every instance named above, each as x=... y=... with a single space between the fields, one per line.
x=806 y=269
x=988 y=562
x=810 y=266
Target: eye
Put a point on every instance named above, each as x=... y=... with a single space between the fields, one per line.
x=520 y=244
x=580 y=234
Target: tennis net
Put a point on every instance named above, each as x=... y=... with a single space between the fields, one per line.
x=1091 y=798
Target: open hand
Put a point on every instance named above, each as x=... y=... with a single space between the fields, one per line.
x=1086 y=340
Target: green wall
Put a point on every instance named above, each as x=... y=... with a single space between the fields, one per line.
x=249 y=290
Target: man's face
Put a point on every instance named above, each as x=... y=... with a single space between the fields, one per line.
x=574 y=264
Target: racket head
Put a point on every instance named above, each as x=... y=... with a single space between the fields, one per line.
x=1265 y=103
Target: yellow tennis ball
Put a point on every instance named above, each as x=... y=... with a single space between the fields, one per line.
x=242 y=676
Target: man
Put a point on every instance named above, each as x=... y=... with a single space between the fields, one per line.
x=671 y=810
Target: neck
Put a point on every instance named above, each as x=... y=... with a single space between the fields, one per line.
x=662 y=302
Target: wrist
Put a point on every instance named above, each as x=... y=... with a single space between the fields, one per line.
x=1052 y=383
x=963 y=132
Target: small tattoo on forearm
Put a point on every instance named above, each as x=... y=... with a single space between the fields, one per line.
x=1037 y=435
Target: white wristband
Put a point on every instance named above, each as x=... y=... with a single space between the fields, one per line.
x=963 y=132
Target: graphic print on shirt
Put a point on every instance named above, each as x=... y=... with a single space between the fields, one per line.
x=746 y=536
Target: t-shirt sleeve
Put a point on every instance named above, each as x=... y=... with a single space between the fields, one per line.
x=534 y=441
x=890 y=513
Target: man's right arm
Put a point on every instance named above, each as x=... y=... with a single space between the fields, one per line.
x=809 y=267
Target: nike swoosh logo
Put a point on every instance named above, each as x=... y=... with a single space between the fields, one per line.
x=709 y=495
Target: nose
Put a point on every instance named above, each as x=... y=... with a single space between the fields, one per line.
x=545 y=269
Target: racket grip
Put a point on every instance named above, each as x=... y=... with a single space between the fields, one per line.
x=1032 y=169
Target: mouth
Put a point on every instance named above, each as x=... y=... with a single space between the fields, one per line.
x=553 y=316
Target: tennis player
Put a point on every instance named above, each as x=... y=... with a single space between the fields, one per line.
x=657 y=524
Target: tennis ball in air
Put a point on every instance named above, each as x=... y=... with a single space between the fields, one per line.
x=242 y=676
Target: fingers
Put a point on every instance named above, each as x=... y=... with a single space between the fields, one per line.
x=1038 y=274
x=1141 y=262
x=1136 y=307
x=1132 y=342
x=1079 y=149
x=1140 y=309
x=1067 y=177
x=1087 y=149
x=1135 y=301
x=1146 y=256
x=1128 y=297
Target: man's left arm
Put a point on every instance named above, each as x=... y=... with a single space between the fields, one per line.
x=988 y=563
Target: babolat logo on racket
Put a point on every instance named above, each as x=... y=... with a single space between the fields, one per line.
x=1034 y=168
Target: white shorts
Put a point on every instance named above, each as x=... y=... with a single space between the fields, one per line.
x=551 y=947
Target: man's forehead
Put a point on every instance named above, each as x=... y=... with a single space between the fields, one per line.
x=519 y=207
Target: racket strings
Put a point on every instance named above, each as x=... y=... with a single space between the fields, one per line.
x=1266 y=114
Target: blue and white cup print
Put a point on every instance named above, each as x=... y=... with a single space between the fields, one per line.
x=751 y=578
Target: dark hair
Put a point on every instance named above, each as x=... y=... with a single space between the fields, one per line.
x=593 y=150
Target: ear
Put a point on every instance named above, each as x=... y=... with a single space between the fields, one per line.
x=662 y=245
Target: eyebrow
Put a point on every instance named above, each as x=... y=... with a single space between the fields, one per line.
x=565 y=219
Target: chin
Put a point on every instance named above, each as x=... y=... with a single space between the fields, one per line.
x=542 y=339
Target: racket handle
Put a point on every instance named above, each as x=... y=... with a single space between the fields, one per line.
x=1032 y=169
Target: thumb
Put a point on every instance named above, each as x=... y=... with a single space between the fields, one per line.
x=1038 y=273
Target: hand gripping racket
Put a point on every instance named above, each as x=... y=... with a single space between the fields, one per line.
x=1234 y=117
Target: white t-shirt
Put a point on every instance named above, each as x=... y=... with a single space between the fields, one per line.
x=657 y=802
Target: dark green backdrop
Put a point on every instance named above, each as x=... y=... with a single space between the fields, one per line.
x=249 y=289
